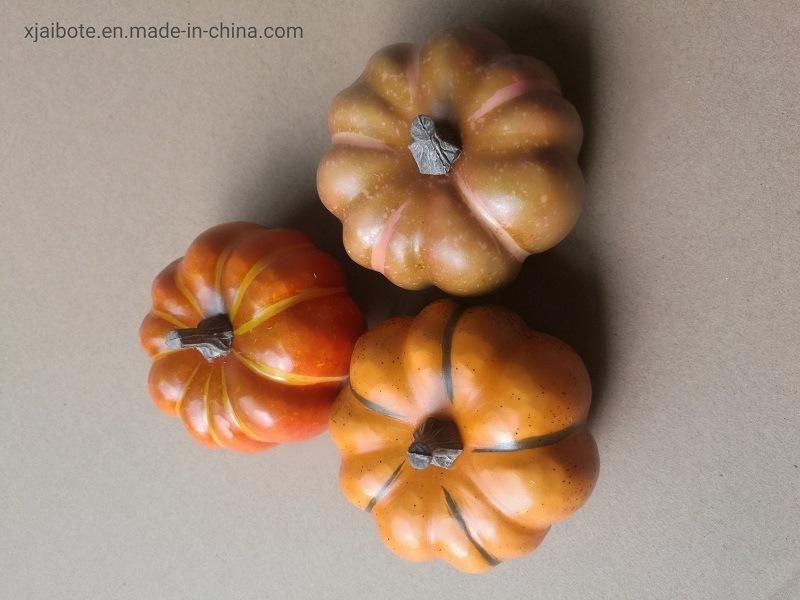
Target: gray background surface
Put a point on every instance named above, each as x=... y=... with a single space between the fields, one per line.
x=679 y=287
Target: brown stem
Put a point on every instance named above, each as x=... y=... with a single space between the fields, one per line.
x=436 y=442
x=434 y=147
x=212 y=337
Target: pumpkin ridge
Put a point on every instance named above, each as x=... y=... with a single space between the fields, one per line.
x=489 y=223
x=207 y=408
x=384 y=488
x=285 y=377
x=163 y=353
x=186 y=388
x=360 y=140
x=535 y=441
x=447 y=351
x=171 y=319
x=375 y=407
x=502 y=96
x=255 y=271
x=455 y=513
x=186 y=293
x=231 y=412
x=378 y=258
x=359 y=92
x=395 y=110
x=272 y=310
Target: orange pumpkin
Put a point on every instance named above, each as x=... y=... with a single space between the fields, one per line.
x=451 y=163
x=464 y=434
x=250 y=335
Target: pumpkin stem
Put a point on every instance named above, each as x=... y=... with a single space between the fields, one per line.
x=433 y=153
x=436 y=442
x=212 y=337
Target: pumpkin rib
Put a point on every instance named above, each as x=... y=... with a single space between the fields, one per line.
x=167 y=299
x=505 y=537
x=224 y=429
x=285 y=377
x=502 y=96
x=460 y=255
x=387 y=73
x=164 y=353
x=231 y=412
x=153 y=330
x=354 y=165
x=554 y=481
x=171 y=319
x=379 y=249
x=422 y=359
x=535 y=441
x=207 y=409
x=455 y=512
x=256 y=270
x=191 y=409
x=203 y=262
x=365 y=87
x=223 y=257
x=377 y=408
x=447 y=351
x=477 y=207
x=545 y=397
x=220 y=265
x=388 y=125
x=274 y=309
x=181 y=285
x=537 y=120
x=378 y=370
x=505 y=78
x=385 y=488
x=168 y=376
x=373 y=207
x=191 y=377
x=360 y=140
x=356 y=430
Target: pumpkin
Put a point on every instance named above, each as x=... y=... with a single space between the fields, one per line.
x=464 y=434
x=451 y=163
x=250 y=336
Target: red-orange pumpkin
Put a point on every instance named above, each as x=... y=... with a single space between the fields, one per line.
x=250 y=336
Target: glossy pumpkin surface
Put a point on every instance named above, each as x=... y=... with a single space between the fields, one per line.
x=515 y=189
x=291 y=331
x=516 y=402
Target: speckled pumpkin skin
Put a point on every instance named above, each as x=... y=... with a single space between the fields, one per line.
x=515 y=190
x=519 y=400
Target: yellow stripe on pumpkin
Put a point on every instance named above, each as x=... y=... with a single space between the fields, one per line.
x=273 y=309
x=244 y=428
x=255 y=271
x=207 y=410
x=223 y=257
x=284 y=376
x=186 y=389
x=186 y=293
x=171 y=319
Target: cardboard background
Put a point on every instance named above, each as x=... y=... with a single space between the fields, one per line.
x=679 y=287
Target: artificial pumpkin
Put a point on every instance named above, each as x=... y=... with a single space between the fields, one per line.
x=464 y=434
x=452 y=163
x=250 y=335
